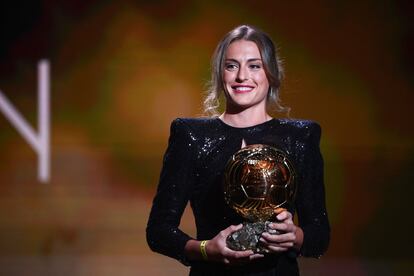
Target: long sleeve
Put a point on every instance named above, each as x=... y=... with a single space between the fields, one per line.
x=310 y=200
x=174 y=188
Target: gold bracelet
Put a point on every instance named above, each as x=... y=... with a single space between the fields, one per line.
x=203 y=250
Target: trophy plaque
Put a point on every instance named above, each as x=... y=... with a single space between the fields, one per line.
x=259 y=180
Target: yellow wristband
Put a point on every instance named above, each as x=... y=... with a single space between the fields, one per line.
x=203 y=250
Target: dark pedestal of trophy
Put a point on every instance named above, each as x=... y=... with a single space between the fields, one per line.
x=259 y=181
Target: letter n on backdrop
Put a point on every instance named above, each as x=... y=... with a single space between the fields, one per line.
x=40 y=142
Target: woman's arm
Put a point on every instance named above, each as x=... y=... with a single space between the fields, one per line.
x=311 y=237
x=174 y=188
x=173 y=193
x=310 y=199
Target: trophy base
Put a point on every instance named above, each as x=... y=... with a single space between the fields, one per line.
x=248 y=237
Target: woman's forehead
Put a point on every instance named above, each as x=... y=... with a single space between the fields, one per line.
x=243 y=50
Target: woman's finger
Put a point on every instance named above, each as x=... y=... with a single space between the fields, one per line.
x=284 y=215
x=283 y=227
x=231 y=229
x=239 y=257
x=255 y=257
x=279 y=238
x=276 y=249
x=232 y=254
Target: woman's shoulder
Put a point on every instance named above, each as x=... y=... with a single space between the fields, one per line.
x=195 y=125
x=299 y=123
x=302 y=126
x=195 y=122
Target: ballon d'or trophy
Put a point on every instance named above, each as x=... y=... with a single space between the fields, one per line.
x=259 y=182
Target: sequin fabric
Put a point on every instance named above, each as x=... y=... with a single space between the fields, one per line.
x=192 y=171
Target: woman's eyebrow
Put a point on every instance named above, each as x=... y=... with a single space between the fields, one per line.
x=249 y=60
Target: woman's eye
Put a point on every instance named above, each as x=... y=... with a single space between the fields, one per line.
x=231 y=66
x=255 y=66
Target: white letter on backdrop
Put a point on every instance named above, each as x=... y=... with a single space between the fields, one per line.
x=39 y=142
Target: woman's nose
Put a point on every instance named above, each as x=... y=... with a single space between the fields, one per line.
x=242 y=74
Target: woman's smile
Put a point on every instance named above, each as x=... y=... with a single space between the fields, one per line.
x=242 y=88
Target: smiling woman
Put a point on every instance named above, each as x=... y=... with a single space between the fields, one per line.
x=245 y=80
x=263 y=51
x=247 y=71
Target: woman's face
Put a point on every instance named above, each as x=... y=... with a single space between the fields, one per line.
x=244 y=78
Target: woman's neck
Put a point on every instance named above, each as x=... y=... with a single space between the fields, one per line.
x=245 y=118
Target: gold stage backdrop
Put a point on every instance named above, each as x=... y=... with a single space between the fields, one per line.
x=121 y=71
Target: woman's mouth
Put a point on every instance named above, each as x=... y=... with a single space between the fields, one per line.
x=242 y=88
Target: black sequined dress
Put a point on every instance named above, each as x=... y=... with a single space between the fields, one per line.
x=192 y=171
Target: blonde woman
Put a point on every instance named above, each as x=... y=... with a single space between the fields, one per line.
x=247 y=70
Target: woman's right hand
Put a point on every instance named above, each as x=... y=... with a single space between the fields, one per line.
x=218 y=251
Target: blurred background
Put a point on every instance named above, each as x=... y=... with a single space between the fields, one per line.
x=121 y=71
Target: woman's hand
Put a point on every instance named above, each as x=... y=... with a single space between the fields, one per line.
x=288 y=234
x=217 y=249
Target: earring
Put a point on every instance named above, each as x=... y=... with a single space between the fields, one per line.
x=270 y=93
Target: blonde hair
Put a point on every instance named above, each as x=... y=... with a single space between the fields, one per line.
x=271 y=63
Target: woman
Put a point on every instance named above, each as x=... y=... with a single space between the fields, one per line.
x=248 y=72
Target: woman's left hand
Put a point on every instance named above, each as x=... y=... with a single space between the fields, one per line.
x=288 y=234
